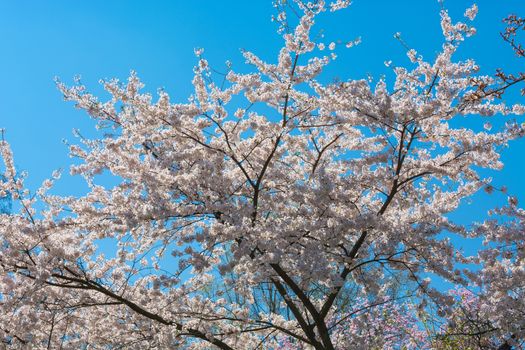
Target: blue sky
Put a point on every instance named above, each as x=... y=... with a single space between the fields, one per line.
x=105 y=39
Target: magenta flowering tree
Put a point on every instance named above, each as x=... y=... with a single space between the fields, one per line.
x=307 y=216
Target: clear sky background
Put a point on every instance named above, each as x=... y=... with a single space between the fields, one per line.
x=107 y=38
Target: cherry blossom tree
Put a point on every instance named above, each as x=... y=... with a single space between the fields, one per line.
x=272 y=210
